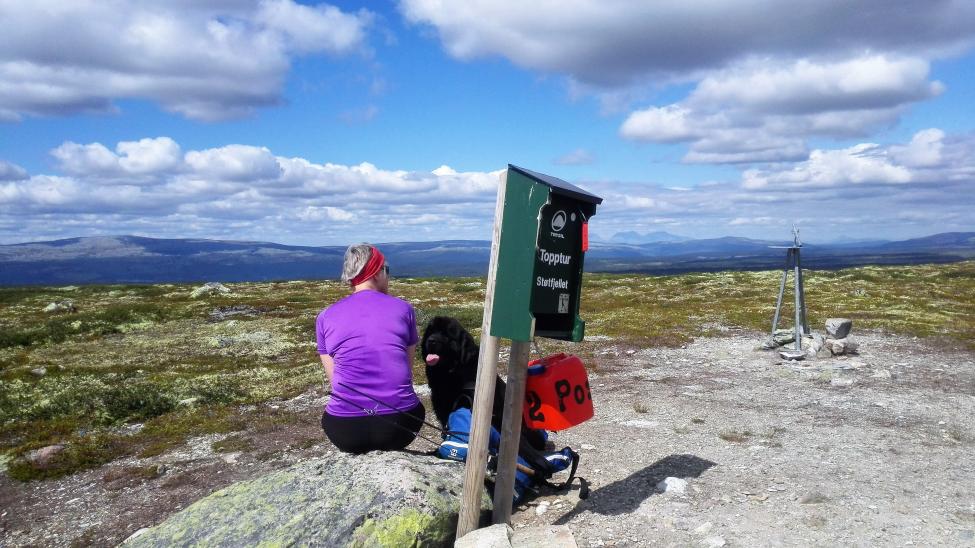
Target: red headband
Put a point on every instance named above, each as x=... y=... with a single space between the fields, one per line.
x=373 y=265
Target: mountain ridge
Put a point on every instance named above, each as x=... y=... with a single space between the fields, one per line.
x=139 y=259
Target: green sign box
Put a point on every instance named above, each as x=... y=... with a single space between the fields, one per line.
x=540 y=257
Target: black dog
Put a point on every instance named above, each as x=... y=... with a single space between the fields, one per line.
x=451 y=357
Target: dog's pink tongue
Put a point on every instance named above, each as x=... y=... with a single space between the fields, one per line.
x=432 y=359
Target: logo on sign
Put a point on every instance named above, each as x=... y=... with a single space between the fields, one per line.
x=558 y=221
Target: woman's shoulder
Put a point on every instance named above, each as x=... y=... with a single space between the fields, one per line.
x=393 y=301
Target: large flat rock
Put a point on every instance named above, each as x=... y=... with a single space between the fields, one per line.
x=377 y=499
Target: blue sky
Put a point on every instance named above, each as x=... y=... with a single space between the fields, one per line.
x=323 y=124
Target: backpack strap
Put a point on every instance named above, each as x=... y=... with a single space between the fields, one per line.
x=572 y=472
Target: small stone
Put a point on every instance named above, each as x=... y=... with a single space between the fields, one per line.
x=42 y=458
x=672 y=486
x=188 y=402
x=882 y=374
x=39 y=372
x=792 y=355
x=714 y=542
x=813 y=497
x=587 y=447
x=784 y=336
x=541 y=508
x=836 y=346
x=136 y=534
x=838 y=328
x=841 y=382
x=704 y=528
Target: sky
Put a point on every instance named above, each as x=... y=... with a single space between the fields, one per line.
x=331 y=123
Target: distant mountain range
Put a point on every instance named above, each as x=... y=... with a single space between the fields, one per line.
x=132 y=259
x=648 y=238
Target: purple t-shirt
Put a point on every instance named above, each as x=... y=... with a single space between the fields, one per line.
x=367 y=334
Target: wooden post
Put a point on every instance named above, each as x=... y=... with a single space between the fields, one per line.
x=487 y=371
x=514 y=397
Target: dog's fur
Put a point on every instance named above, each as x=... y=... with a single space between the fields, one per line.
x=452 y=379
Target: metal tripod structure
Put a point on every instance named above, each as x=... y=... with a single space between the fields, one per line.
x=794 y=263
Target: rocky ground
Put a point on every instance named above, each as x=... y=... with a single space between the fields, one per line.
x=869 y=449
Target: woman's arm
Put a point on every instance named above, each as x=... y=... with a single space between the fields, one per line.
x=329 y=365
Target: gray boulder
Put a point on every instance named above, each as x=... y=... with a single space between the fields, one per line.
x=376 y=499
x=838 y=328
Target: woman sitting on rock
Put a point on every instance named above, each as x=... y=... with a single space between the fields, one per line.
x=366 y=341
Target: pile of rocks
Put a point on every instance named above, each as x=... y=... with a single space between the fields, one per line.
x=58 y=307
x=210 y=288
x=837 y=341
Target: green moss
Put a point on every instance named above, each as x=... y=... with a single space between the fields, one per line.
x=232 y=444
x=410 y=528
x=80 y=453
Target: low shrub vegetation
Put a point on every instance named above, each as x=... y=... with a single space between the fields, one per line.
x=152 y=355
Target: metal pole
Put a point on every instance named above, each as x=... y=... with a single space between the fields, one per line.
x=802 y=295
x=778 y=302
x=487 y=371
x=798 y=303
x=514 y=398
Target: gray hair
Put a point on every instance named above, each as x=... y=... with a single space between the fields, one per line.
x=356 y=258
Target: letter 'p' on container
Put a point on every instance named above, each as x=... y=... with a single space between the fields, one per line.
x=557 y=394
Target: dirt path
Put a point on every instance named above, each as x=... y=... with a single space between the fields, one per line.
x=875 y=449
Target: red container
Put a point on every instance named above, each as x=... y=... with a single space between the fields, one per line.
x=557 y=394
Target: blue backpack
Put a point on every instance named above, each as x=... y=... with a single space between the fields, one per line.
x=534 y=467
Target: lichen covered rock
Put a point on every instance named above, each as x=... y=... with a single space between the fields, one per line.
x=377 y=499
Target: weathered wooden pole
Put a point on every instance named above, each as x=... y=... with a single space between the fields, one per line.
x=514 y=396
x=487 y=370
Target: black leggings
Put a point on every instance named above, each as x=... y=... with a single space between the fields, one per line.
x=374 y=432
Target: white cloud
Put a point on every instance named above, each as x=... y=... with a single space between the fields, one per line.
x=310 y=29
x=667 y=124
x=868 y=82
x=924 y=150
x=234 y=163
x=577 y=157
x=246 y=192
x=144 y=157
x=606 y=44
x=149 y=155
x=152 y=182
x=861 y=164
x=11 y=172
x=760 y=112
x=204 y=60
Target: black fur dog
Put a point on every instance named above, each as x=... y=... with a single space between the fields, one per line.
x=451 y=357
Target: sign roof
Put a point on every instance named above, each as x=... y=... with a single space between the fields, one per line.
x=558 y=185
